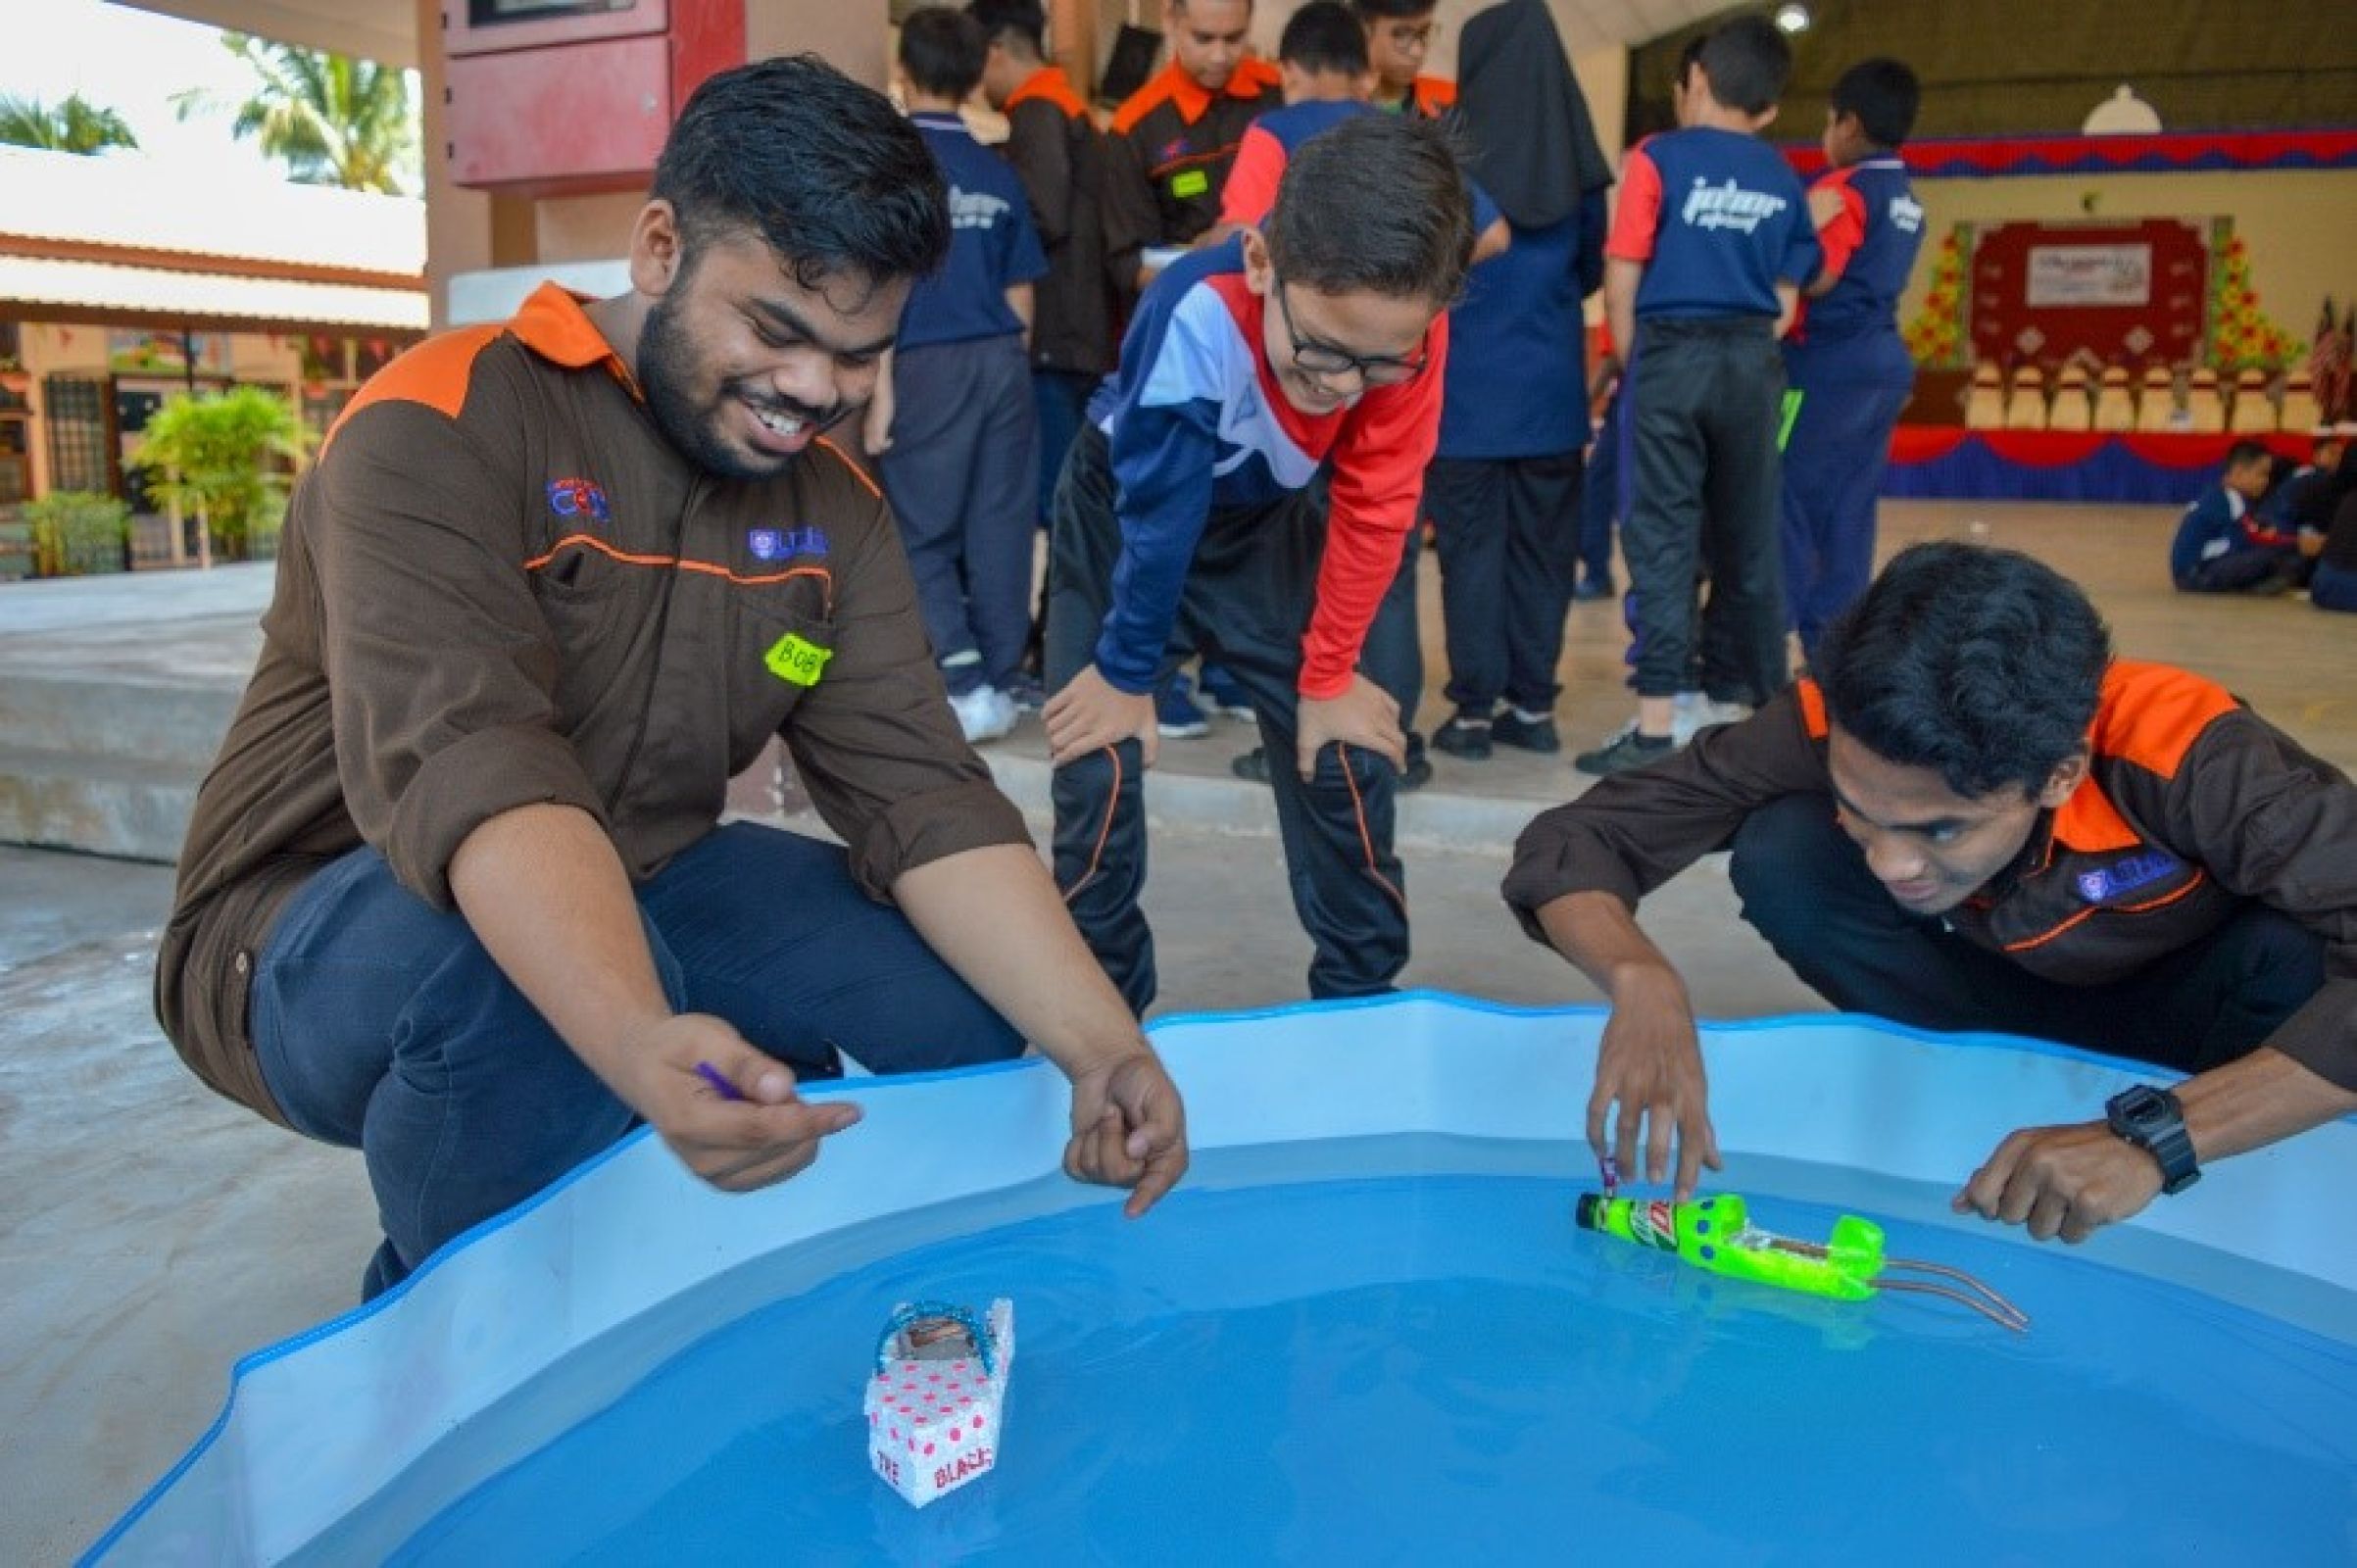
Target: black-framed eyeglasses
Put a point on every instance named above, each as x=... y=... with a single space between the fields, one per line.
x=1324 y=359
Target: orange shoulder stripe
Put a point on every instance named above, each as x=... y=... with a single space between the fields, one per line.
x=856 y=471
x=1159 y=89
x=2151 y=714
x=2089 y=821
x=1812 y=708
x=435 y=372
x=1048 y=84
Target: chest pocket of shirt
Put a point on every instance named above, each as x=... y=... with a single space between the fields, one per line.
x=781 y=652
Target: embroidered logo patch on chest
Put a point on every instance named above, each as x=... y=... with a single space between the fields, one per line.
x=576 y=500
x=2127 y=875
x=777 y=544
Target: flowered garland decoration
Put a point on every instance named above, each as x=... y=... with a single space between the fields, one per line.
x=2241 y=336
x=1937 y=335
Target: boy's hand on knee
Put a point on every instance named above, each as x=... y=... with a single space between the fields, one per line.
x=1089 y=715
x=762 y=1134
x=1362 y=715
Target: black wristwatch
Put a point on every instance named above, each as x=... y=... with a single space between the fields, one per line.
x=2151 y=1119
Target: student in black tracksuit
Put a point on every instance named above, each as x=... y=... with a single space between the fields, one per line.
x=1709 y=247
x=1314 y=347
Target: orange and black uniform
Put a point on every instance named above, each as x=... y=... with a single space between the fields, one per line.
x=501 y=586
x=1167 y=159
x=2195 y=897
x=1060 y=158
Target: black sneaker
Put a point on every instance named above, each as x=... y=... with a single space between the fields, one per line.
x=1253 y=764
x=1592 y=587
x=1622 y=751
x=1418 y=775
x=1511 y=728
x=1469 y=738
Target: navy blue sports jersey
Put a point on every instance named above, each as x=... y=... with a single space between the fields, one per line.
x=992 y=244
x=1718 y=218
x=1517 y=382
x=1870 y=246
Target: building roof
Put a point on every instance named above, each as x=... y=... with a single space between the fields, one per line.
x=36 y=288
x=131 y=203
x=122 y=239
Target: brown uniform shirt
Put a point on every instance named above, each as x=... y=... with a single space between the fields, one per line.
x=2192 y=804
x=499 y=586
x=1168 y=158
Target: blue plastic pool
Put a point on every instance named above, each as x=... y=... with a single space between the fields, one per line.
x=1377 y=1338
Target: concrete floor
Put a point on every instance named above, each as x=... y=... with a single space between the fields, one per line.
x=150 y=1234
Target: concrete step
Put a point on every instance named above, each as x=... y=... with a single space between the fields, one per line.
x=176 y=724
x=1431 y=819
x=130 y=808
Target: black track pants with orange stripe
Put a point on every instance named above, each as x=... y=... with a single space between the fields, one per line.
x=1246 y=601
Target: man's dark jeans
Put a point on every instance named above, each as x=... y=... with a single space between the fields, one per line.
x=384 y=1025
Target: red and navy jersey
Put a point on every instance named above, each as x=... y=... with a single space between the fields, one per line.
x=1196 y=421
x=1870 y=248
x=993 y=246
x=1270 y=142
x=1718 y=218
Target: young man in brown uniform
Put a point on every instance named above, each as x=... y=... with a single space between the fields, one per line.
x=454 y=893
x=1174 y=139
x=1974 y=818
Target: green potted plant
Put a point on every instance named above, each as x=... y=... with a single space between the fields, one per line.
x=224 y=457
x=75 y=532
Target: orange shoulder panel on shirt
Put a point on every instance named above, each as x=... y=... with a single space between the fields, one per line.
x=1812 y=708
x=2151 y=714
x=2089 y=821
x=1435 y=95
x=1048 y=84
x=1254 y=76
x=1160 y=89
x=436 y=372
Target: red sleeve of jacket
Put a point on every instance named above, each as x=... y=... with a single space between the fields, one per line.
x=1251 y=187
x=1637 y=216
x=1378 y=476
x=1845 y=231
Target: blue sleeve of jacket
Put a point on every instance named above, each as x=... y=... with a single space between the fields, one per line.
x=1162 y=461
x=2205 y=521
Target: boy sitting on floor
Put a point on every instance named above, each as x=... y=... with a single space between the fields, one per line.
x=2223 y=545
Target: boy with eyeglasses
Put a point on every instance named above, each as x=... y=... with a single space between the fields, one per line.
x=1247 y=479
x=1399 y=34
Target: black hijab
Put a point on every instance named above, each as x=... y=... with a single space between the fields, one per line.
x=1531 y=142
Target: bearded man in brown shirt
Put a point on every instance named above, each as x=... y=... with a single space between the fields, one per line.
x=456 y=892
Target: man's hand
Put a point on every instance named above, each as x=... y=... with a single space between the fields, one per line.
x=1649 y=1067
x=2062 y=1181
x=736 y=1146
x=1128 y=1129
x=1364 y=715
x=1089 y=715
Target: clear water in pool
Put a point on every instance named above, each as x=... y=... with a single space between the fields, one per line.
x=1403 y=1367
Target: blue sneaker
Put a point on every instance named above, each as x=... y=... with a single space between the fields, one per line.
x=1225 y=693
x=1175 y=714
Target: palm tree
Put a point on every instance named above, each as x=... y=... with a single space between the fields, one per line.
x=77 y=126
x=331 y=120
